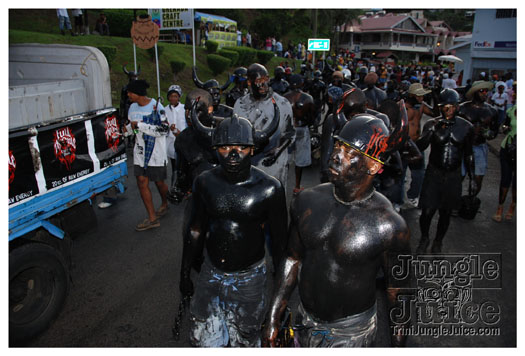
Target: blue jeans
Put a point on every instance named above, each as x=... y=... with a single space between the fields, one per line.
x=228 y=307
x=417 y=171
x=63 y=20
x=501 y=117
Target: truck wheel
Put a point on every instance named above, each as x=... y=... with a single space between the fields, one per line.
x=38 y=285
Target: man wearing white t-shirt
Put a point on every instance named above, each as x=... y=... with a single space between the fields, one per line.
x=448 y=83
x=500 y=100
x=149 y=154
x=177 y=122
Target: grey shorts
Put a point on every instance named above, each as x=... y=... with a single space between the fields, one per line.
x=228 y=307
x=357 y=330
x=154 y=174
x=303 y=150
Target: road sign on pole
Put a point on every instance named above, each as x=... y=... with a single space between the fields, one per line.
x=318 y=44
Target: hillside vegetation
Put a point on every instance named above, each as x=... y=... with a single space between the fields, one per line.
x=124 y=54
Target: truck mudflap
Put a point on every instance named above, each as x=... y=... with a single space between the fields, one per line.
x=54 y=167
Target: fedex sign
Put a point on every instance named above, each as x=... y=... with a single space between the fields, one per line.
x=483 y=44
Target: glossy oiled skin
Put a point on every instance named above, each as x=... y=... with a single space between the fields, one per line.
x=341 y=233
x=449 y=143
x=482 y=115
x=302 y=106
x=228 y=218
x=341 y=256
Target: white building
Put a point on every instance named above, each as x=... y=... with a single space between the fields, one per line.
x=492 y=48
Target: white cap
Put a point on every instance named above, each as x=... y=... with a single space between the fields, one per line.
x=176 y=89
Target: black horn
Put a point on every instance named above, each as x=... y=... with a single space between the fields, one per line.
x=196 y=80
x=203 y=130
x=400 y=130
x=227 y=84
x=262 y=136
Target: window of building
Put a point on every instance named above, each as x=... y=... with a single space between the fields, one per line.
x=505 y=13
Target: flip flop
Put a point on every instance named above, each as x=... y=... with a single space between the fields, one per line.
x=147 y=224
x=510 y=213
x=496 y=217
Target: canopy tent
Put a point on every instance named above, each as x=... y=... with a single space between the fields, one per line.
x=202 y=17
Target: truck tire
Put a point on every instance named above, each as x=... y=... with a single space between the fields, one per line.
x=38 y=285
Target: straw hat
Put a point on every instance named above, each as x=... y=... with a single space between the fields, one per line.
x=478 y=85
x=417 y=89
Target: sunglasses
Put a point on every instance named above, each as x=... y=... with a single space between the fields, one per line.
x=485 y=90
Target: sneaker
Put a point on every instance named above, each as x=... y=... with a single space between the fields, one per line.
x=147 y=224
x=104 y=205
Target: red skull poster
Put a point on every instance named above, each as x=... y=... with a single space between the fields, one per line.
x=109 y=145
x=64 y=153
x=112 y=132
x=65 y=146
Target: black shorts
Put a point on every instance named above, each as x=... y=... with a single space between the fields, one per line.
x=154 y=174
x=78 y=20
x=441 y=189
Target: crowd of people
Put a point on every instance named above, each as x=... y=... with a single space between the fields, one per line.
x=81 y=24
x=230 y=164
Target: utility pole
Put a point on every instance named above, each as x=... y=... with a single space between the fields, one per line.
x=315 y=33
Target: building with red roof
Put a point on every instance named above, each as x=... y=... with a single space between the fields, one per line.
x=398 y=37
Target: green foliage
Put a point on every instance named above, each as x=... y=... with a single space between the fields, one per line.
x=217 y=64
x=110 y=52
x=177 y=66
x=211 y=46
x=264 y=56
x=455 y=18
x=232 y=55
x=247 y=55
x=151 y=51
x=119 y=21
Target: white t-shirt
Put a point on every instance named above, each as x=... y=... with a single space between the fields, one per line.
x=62 y=12
x=449 y=84
x=500 y=99
x=158 y=157
x=175 y=116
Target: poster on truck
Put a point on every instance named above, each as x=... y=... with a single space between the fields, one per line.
x=22 y=180
x=109 y=143
x=65 y=154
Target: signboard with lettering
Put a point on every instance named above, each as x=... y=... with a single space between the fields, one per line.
x=318 y=44
x=172 y=19
x=483 y=44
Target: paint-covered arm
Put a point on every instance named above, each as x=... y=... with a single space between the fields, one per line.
x=285 y=282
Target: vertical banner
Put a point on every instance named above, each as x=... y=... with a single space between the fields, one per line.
x=22 y=180
x=65 y=154
x=109 y=143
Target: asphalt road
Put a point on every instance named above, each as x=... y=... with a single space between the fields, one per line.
x=125 y=283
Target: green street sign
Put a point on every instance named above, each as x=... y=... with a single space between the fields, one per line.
x=318 y=44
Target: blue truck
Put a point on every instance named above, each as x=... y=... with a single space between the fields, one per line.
x=65 y=148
